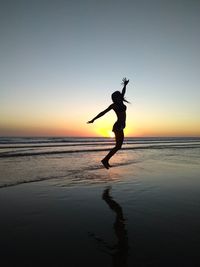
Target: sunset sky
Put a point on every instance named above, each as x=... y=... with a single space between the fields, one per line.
x=61 y=60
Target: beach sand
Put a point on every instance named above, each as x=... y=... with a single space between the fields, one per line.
x=144 y=211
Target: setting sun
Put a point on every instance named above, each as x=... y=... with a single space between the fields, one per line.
x=104 y=132
x=111 y=134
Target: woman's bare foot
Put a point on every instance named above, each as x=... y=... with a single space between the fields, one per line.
x=105 y=164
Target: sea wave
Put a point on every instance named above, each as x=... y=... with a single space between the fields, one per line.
x=27 y=146
x=29 y=152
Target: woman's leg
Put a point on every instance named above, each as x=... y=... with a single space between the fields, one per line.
x=119 y=138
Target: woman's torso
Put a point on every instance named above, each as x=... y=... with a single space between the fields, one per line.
x=120 y=110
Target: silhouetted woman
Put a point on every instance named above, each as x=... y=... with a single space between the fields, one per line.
x=120 y=110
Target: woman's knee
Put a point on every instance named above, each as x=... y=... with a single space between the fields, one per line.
x=118 y=146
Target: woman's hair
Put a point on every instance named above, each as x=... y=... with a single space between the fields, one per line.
x=117 y=97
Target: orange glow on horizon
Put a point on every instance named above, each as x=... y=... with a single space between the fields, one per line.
x=102 y=133
x=138 y=126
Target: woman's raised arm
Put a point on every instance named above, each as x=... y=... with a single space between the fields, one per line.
x=124 y=82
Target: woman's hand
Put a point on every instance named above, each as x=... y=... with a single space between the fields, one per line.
x=90 y=121
x=125 y=81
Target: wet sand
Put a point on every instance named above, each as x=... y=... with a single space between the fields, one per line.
x=142 y=212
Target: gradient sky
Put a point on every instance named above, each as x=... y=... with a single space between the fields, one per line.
x=61 y=60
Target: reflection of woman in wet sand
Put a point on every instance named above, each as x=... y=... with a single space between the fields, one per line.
x=119 y=251
x=120 y=110
x=121 y=248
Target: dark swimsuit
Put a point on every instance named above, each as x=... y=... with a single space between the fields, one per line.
x=120 y=124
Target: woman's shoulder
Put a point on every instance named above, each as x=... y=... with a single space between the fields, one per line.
x=112 y=106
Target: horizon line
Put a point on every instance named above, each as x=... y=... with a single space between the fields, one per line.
x=107 y=137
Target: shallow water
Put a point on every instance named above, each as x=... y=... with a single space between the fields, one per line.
x=24 y=160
